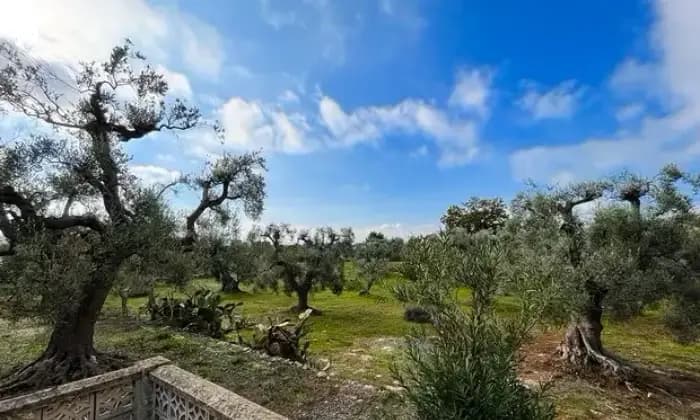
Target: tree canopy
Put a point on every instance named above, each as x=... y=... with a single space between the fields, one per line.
x=72 y=213
x=305 y=260
x=476 y=214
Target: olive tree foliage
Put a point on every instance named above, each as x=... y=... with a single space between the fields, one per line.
x=223 y=255
x=466 y=366
x=396 y=248
x=372 y=257
x=230 y=179
x=476 y=214
x=138 y=274
x=60 y=258
x=634 y=252
x=660 y=232
x=304 y=261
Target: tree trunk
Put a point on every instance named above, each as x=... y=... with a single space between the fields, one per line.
x=152 y=303
x=124 y=296
x=229 y=282
x=583 y=336
x=365 y=290
x=70 y=353
x=583 y=345
x=303 y=301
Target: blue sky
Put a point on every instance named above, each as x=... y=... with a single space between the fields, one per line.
x=379 y=114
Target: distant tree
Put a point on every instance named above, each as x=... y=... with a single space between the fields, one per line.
x=305 y=261
x=64 y=263
x=225 y=257
x=396 y=248
x=375 y=236
x=372 y=260
x=138 y=274
x=476 y=214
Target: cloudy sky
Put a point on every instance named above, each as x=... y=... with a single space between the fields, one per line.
x=378 y=114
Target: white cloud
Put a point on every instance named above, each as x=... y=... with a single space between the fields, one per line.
x=277 y=18
x=457 y=138
x=633 y=76
x=679 y=35
x=471 y=91
x=322 y=24
x=165 y=157
x=674 y=137
x=254 y=125
x=289 y=96
x=558 y=102
x=178 y=83
x=290 y=126
x=203 y=50
x=630 y=112
x=348 y=129
x=152 y=174
x=659 y=141
x=83 y=30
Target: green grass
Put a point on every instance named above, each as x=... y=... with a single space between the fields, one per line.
x=644 y=339
x=349 y=322
x=361 y=335
x=282 y=387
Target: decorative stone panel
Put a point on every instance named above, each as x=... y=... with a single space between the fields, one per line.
x=150 y=389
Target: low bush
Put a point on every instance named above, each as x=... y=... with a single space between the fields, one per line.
x=467 y=370
x=284 y=339
x=416 y=314
x=200 y=313
x=465 y=367
x=682 y=318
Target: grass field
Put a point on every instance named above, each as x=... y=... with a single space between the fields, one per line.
x=361 y=335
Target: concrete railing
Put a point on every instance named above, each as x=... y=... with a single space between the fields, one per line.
x=150 y=389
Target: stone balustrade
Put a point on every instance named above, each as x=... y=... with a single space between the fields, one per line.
x=150 y=389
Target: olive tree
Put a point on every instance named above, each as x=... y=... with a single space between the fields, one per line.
x=396 y=246
x=372 y=258
x=73 y=255
x=476 y=214
x=222 y=254
x=305 y=261
x=631 y=254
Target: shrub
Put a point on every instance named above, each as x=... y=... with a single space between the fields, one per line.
x=200 y=313
x=468 y=371
x=284 y=339
x=682 y=318
x=416 y=314
x=465 y=366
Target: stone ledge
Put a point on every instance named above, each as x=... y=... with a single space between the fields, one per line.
x=87 y=385
x=215 y=397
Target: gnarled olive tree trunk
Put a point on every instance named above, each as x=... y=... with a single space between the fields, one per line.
x=70 y=353
x=302 y=293
x=583 y=335
x=229 y=282
x=583 y=345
